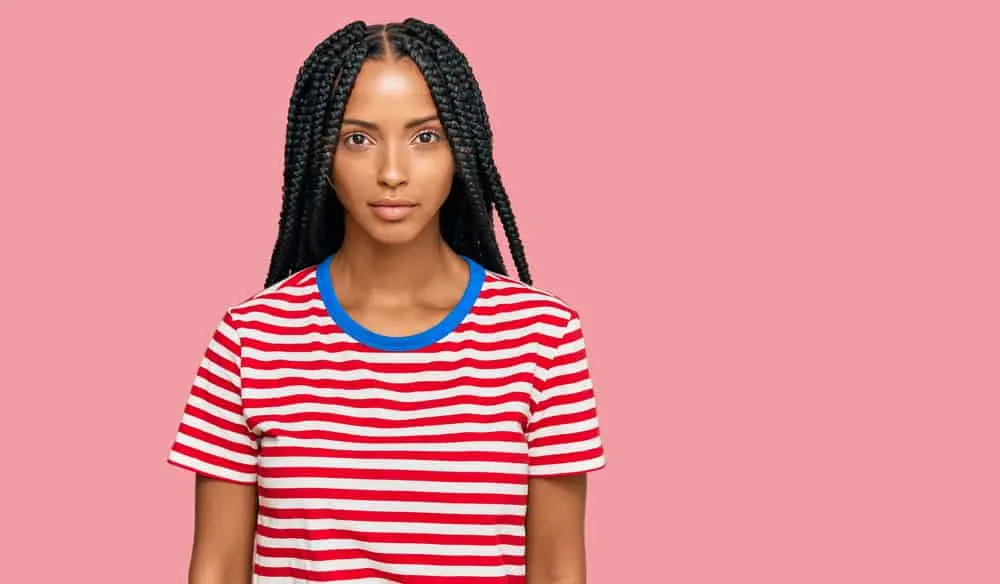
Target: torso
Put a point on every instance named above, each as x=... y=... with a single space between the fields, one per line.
x=401 y=459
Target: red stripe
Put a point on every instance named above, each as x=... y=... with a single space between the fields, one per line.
x=581 y=456
x=215 y=400
x=334 y=514
x=562 y=420
x=565 y=399
x=390 y=475
x=222 y=383
x=216 y=421
x=353 y=554
x=390 y=368
x=454 y=456
x=296 y=574
x=513 y=397
x=446 y=438
x=217 y=441
x=566 y=438
x=413 y=386
x=212 y=459
x=381 y=423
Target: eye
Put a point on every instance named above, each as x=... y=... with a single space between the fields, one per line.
x=355 y=139
x=428 y=137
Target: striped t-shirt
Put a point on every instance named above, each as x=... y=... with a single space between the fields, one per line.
x=392 y=459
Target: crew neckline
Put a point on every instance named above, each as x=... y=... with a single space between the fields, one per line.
x=416 y=341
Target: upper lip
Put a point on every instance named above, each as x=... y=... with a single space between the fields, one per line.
x=392 y=203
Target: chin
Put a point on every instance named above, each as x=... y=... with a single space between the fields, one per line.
x=400 y=233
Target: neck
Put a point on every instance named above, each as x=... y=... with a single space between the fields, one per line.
x=366 y=265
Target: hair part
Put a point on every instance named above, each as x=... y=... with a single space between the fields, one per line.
x=311 y=225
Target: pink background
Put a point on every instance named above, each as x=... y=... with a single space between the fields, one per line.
x=778 y=220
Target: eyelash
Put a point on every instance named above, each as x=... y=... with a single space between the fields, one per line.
x=434 y=133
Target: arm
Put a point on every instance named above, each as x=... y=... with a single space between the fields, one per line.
x=556 y=551
x=225 y=519
x=215 y=441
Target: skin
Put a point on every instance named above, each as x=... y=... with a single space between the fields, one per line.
x=225 y=518
x=395 y=276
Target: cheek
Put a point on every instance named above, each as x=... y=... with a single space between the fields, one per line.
x=350 y=178
x=436 y=175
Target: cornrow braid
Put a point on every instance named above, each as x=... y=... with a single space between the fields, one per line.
x=311 y=226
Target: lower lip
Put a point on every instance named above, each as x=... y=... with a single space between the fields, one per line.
x=392 y=212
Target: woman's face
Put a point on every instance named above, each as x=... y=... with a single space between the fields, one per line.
x=392 y=166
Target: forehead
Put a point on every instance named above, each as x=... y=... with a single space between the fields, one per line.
x=390 y=87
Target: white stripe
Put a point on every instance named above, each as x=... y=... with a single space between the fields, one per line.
x=437 y=466
x=563 y=429
x=585 y=405
x=359 y=374
x=580 y=386
x=379 y=506
x=223 y=351
x=497 y=446
x=216 y=430
x=285 y=351
x=520 y=298
x=515 y=313
x=209 y=448
x=304 y=288
x=211 y=469
x=568 y=467
x=294 y=334
x=306 y=300
x=566 y=448
x=515 y=530
x=211 y=409
x=322 y=545
x=217 y=370
x=407 y=486
x=430 y=430
x=400 y=396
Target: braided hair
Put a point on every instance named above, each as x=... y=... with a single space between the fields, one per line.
x=311 y=226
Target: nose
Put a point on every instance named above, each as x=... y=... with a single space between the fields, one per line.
x=393 y=171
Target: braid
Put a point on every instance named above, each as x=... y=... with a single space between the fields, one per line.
x=454 y=120
x=324 y=213
x=465 y=79
x=287 y=256
x=311 y=226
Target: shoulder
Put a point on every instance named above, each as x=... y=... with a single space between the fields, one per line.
x=502 y=291
x=295 y=295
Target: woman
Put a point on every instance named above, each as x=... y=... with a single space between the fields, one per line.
x=392 y=407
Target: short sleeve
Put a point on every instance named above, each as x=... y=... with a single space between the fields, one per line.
x=563 y=434
x=213 y=438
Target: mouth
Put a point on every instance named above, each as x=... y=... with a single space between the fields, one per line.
x=392 y=210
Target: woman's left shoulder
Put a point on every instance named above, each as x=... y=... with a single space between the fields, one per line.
x=544 y=301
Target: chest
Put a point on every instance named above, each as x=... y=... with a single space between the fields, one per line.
x=389 y=419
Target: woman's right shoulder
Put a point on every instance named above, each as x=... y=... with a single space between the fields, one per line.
x=292 y=295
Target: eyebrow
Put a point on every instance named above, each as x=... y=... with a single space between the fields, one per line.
x=374 y=126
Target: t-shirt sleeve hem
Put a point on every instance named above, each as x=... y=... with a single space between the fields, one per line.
x=568 y=469
x=210 y=471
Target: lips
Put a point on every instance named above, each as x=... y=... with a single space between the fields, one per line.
x=389 y=210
